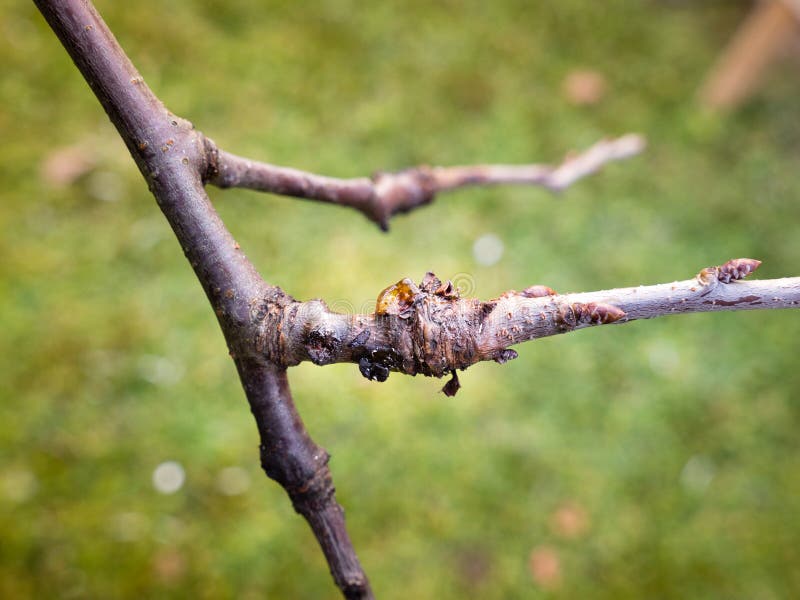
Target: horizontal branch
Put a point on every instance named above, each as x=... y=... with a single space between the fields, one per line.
x=385 y=194
x=428 y=329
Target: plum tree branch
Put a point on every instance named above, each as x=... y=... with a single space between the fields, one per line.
x=385 y=194
x=429 y=329
x=415 y=329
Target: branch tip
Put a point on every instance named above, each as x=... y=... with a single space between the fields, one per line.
x=430 y=329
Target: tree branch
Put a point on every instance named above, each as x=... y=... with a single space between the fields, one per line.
x=173 y=158
x=426 y=329
x=290 y=457
x=429 y=330
x=385 y=194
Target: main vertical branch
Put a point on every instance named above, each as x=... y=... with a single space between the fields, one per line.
x=290 y=457
x=173 y=158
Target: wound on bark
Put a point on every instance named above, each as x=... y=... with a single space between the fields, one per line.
x=447 y=290
x=488 y=307
x=360 y=339
x=398 y=299
x=373 y=371
x=430 y=283
x=376 y=364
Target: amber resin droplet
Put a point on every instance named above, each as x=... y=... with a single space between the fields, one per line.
x=397 y=299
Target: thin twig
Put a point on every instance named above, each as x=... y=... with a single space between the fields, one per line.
x=386 y=194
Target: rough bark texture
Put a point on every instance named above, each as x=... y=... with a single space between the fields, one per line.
x=424 y=328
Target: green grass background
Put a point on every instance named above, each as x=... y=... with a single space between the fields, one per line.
x=677 y=439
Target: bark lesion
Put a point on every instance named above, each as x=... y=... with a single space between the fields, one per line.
x=432 y=329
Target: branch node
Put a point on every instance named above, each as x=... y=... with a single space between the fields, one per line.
x=211 y=171
x=400 y=192
x=315 y=493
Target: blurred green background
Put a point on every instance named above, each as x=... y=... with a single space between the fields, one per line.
x=660 y=459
